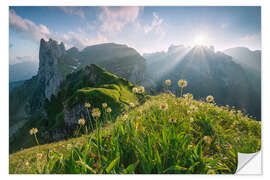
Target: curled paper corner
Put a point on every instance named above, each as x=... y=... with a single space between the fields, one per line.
x=249 y=164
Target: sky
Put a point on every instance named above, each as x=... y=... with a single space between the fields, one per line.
x=146 y=29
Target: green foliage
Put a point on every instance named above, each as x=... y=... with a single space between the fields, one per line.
x=190 y=137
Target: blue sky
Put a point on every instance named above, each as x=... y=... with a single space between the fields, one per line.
x=147 y=29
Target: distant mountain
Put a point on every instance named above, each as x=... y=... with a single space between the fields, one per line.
x=246 y=57
x=22 y=71
x=119 y=59
x=55 y=63
x=250 y=61
x=207 y=72
x=15 y=84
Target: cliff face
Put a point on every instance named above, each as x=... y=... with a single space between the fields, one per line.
x=55 y=63
x=49 y=75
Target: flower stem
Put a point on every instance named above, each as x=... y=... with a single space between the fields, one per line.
x=90 y=119
x=36 y=139
x=181 y=92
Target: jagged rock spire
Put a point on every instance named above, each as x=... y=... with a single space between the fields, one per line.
x=49 y=75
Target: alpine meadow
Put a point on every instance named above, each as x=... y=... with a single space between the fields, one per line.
x=133 y=90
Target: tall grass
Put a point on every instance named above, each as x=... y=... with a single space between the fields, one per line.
x=164 y=135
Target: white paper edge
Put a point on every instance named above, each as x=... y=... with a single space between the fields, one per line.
x=249 y=164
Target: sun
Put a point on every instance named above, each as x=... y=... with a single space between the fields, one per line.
x=201 y=40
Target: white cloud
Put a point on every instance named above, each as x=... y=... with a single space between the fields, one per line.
x=80 y=39
x=155 y=23
x=77 y=11
x=27 y=28
x=115 y=18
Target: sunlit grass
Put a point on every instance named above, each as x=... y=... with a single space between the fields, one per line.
x=164 y=135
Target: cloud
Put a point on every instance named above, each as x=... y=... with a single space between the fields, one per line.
x=27 y=28
x=24 y=58
x=155 y=23
x=80 y=39
x=115 y=18
x=77 y=11
x=251 y=37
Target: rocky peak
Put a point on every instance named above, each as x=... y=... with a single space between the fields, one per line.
x=49 y=75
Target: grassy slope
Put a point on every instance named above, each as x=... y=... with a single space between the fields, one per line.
x=204 y=139
x=78 y=89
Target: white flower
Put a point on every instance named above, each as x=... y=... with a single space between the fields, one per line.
x=134 y=90
x=209 y=98
x=182 y=83
x=39 y=155
x=81 y=121
x=109 y=109
x=33 y=131
x=104 y=105
x=96 y=112
x=163 y=106
x=87 y=105
x=168 y=82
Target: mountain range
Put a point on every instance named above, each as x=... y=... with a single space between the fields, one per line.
x=233 y=77
x=22 y=71
x=65 y=76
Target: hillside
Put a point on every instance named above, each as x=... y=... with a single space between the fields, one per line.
x=91 y=85
x=207 y=71
x=164 y=135
x=26 y=105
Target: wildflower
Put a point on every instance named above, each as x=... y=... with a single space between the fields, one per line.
x=211 y=171
x=92 y=155
x=209 y=98
x=182 y=83
x=168 y=82
x=33 y=131
x=141 y=90
x=191 y=119
x=207 y=139
x=132 y=104
x=81 y=121
x=96 y=166
x=134 y=90
x=96 y=112
x=171 y=94
x=125 y=116
x=99 y=157
x=39 y=155
x=104 y=105
x=87 y=105
x=26 y=163
x=163 y=106
x=188 y=96
x=109 y=109
x=69 y=147
x=172 y=120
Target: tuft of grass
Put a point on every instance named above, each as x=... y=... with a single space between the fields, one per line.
x=185 y=137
